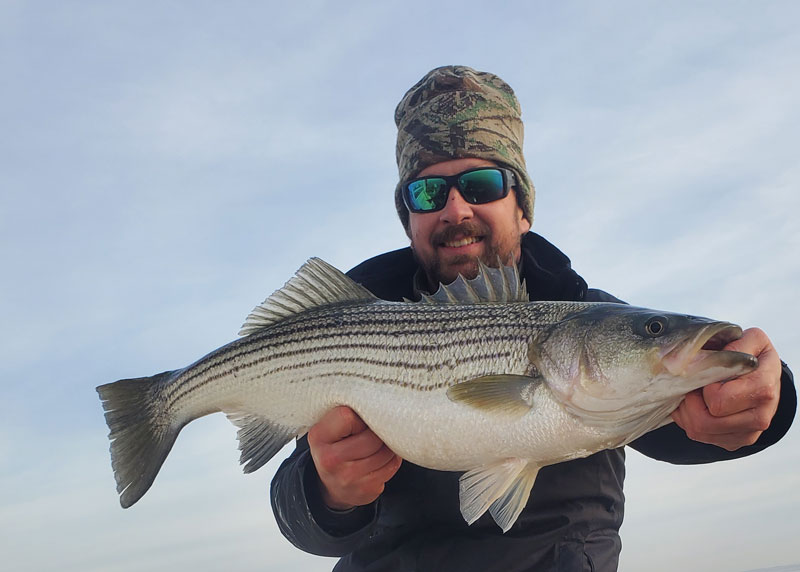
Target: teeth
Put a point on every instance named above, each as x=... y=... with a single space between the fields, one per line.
x=462 y=242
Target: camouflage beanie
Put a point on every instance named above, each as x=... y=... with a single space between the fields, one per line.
x=455 y=112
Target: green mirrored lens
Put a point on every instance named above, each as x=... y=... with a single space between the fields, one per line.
x=427 y=194
x=478 y=187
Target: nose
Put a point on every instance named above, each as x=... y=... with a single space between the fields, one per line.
x=456 y=210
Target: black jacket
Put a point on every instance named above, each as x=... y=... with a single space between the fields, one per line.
x=572 y=519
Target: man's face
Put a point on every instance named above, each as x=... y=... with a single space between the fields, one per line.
x=450 y=242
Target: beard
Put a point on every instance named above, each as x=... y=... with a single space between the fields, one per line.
x=495 y=253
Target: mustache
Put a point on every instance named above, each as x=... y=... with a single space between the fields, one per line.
x=462 y=230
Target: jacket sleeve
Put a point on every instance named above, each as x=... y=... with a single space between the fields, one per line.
x=304 y=519
x=670 y=443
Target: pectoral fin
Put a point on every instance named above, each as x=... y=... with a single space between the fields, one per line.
x=502 y=488
x=501 y=393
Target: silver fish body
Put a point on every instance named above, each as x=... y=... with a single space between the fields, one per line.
x=473 y=379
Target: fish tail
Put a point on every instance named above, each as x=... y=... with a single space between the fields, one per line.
x=141 y=433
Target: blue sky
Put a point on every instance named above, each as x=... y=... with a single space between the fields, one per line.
x=165 y=166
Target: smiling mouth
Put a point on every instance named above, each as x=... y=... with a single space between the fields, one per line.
x=461 y=242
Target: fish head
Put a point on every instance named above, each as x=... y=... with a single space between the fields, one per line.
x=612 y=362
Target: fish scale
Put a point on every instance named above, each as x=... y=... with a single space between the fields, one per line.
x=474 y=378
x=280 y=350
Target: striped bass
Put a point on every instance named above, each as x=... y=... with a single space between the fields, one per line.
x=475 y=378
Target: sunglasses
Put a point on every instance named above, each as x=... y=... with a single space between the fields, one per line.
x=477 y=186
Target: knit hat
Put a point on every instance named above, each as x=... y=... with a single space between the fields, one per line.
x=455 y=112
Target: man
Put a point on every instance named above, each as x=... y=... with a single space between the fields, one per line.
x=344 y=493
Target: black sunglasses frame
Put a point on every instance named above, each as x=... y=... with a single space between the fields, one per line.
x=509 y=180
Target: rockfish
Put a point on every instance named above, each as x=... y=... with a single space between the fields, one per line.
x=475 y=378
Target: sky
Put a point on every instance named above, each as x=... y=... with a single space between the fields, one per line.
x=164 y=166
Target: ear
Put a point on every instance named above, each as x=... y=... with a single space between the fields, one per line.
x=408 y=229
x=524 y=224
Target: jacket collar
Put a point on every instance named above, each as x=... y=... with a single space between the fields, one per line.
x=548 y=272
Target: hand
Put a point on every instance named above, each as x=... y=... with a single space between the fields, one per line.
x=352 y=462
x=734 y=413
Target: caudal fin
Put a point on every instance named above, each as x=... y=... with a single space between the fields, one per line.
x=141 y=434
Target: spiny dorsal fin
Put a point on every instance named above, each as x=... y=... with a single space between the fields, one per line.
x=316 y=283
x=491 y=285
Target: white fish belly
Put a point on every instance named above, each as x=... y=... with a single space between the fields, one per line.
x=430 y=430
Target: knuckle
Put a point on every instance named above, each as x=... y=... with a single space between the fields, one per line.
x=377 y=443
x=716 y=406
x=742 y=441
x=394 y=466
x=754 y=335
x=693 y=434
x=384 y=473
x=345 y=414
x=751 y=439
x=698 y=430
x=350 y=419
x=314 y=437
x=768 y=393
x=761 y=420
x=347 y=477
x=328 y=460
x=697 y=427
x=367 y=440
x=688 y=428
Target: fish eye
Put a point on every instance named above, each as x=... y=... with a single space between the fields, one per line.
x=656 y=326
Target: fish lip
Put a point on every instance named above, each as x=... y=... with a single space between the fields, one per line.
x=681 y=358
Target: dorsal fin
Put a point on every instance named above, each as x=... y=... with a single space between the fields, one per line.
x=316 y=283
x=491 y=285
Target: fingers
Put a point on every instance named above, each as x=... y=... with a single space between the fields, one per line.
x=735 y=413
x=729 y=432
x=336 y=424
x=352 y=462
x=756 y=390
x=360 y=447
x=753 y=341
x=380 y=467
x=360 y=482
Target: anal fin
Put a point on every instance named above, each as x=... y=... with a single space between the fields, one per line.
x=502 y=488
x=259 y=439
x=507 y=508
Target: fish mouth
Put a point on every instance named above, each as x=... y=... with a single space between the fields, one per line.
x=705 y=351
